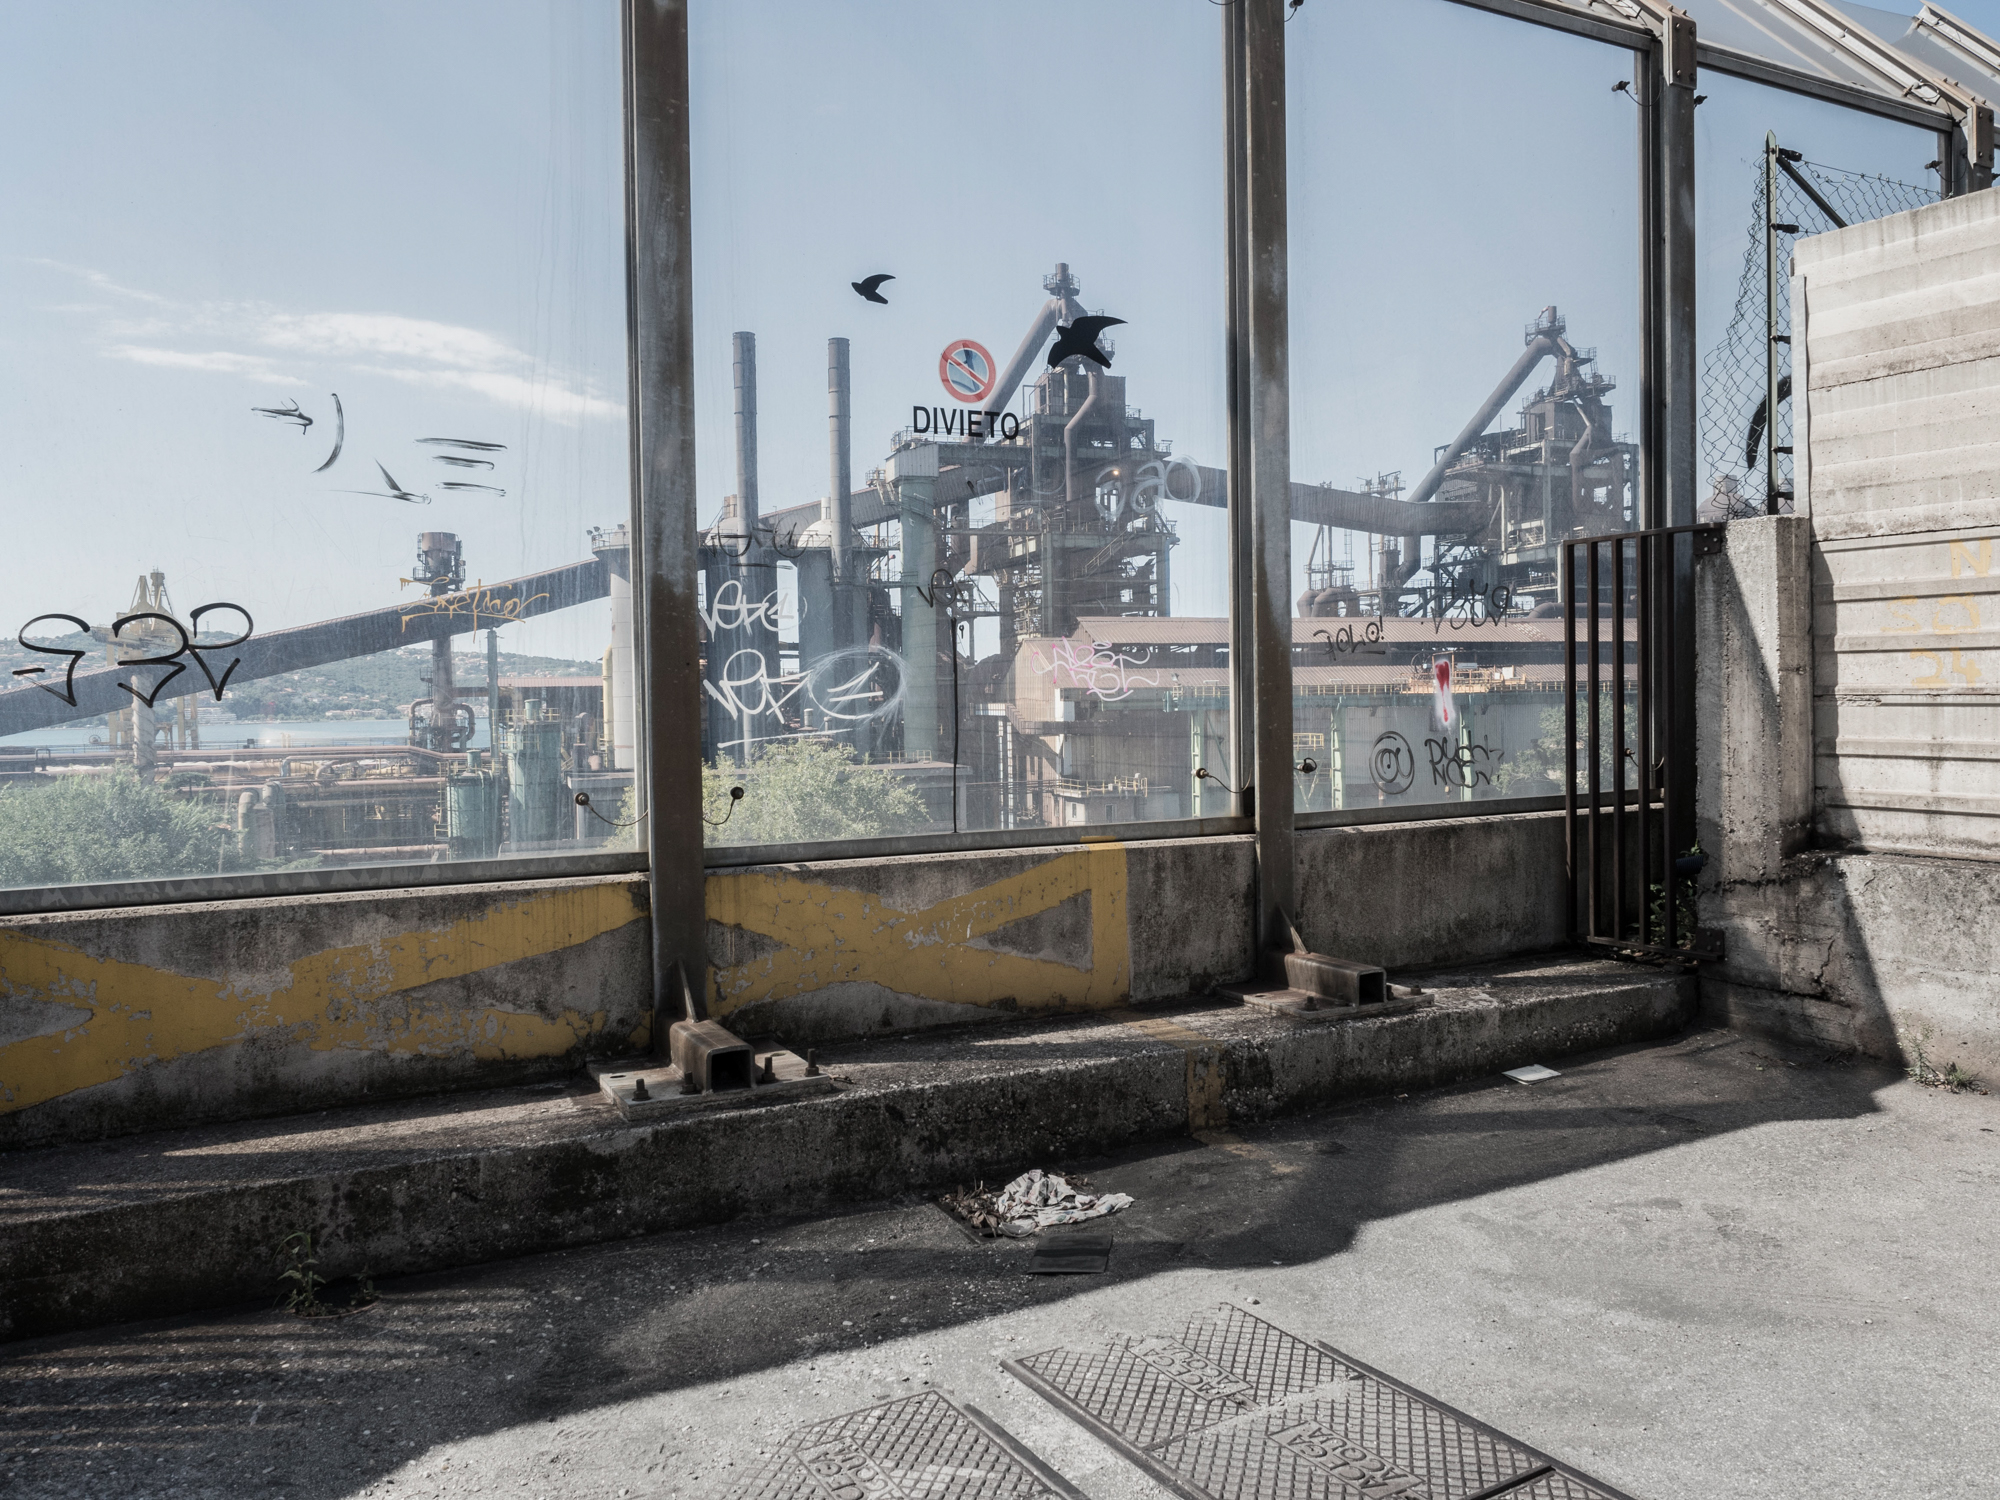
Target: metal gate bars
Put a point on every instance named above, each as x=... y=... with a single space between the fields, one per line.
x=1629 y=828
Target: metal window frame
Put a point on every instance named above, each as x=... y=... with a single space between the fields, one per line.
x=661 y=416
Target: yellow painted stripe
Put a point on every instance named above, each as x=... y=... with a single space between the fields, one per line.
x=132 y=1016
x=835 y=935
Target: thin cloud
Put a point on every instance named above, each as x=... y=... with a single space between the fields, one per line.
x=416 y=351
x=99 y=280
x=384 y=335
x=215 y=362
x=558 y=403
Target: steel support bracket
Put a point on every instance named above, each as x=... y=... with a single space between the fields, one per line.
x=1339 y=981
x=711 y=1056
x=1675 y=29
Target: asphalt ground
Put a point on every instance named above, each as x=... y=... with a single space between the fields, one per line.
x=1697 y=1268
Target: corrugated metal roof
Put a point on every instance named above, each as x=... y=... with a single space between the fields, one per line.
x=1200 y=630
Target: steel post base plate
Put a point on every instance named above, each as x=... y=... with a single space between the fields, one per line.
x=1281 y=1000
x=919 y=1447
x=663 y=1088
x=1236 y=1409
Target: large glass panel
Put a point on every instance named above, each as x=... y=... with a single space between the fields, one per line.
x=1770 y=168
x=961 y=390
x=313 y=402
x=1465 y=290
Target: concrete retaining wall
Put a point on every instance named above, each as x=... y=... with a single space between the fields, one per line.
x=148 y=1017
x=1880 y=953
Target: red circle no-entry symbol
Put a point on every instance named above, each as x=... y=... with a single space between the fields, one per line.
x=967 y=371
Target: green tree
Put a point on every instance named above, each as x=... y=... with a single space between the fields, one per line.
x=805 y=792
x=1537 y=771
x=74 y=830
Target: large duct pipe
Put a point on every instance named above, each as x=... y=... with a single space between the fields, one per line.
x=1069 y=445
x=1062 y=305
x=746 y=429
x=1539 y=348
x=839 y=453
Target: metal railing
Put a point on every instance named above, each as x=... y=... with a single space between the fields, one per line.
x=1627 y=880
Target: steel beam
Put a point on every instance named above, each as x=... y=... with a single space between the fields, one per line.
x=1667 y=122
x=659 y=251
x=1264 y=400
x=1242 y=696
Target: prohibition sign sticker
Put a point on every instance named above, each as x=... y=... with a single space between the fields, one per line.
x=967 y=370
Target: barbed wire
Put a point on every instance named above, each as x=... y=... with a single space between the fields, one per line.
x=1732 y=373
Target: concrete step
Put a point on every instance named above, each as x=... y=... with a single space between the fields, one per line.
x=177 y=1220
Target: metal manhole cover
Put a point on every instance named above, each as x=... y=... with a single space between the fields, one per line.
x=1236 y=1409
x=923 y=1447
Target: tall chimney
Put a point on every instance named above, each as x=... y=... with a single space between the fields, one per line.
x=839 y=453
x=746 y=429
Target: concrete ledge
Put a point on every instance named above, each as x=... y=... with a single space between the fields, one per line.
x=177 y=1220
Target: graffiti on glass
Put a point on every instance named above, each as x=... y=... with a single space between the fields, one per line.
x=189 y=647
x=1100 y=671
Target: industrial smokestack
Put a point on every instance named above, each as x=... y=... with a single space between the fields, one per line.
x=746 y=430
x=839 y=452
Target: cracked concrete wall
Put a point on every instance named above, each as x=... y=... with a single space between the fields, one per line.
x=1872 y=952
x=146 y=1017
x=142 y=1018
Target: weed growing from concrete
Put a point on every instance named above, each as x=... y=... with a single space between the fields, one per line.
x=302 y=1299
x=1951 y=1078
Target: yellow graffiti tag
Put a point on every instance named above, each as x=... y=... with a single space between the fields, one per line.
x=471 y=602
x=131 y=1016
x=834 y=935
x=1964 y=559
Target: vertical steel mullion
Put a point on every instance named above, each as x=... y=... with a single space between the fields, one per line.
x=1590 y=719
x=1646 y=549
x=1566 y=581
x=1242 y=682
x=659 y=251
x=1268 y=448
x=1618 y=737
x=1646 y=69
x=1680 y=397
x=1770 y=323
x=1673 y=741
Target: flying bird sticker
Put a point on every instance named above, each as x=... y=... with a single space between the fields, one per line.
x=1080 y=338
x=339 y=434
x=870 y=287
x=289 y=412
x=395 y=490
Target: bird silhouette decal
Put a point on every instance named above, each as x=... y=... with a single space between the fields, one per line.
x=395 y=490
x=339 y=434
x=870 y=287
x=1080 y=337
x=289 y=412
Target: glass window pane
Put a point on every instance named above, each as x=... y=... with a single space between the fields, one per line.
x=961 y=391
x=1465 y=366
x=313 y=399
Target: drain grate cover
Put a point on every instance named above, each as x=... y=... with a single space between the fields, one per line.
x=923 y=1447
x=1236 y=1409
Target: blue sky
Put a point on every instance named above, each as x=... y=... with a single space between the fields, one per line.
x=219 y=206
x=223 y=205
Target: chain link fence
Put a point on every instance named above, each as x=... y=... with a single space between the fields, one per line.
x=1733 y=373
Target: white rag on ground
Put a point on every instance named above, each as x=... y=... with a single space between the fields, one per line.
x=1035 y=1200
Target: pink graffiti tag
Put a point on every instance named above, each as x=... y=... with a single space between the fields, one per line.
x=1099 y=671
